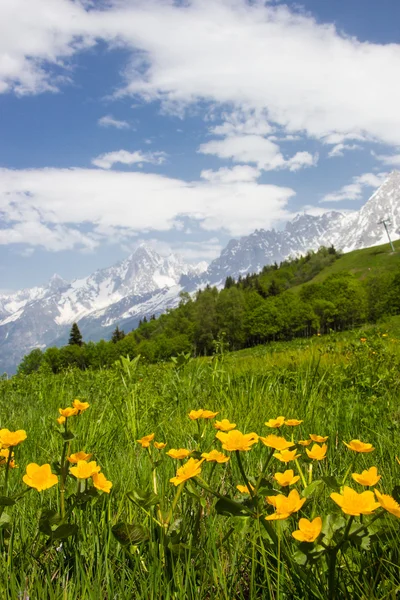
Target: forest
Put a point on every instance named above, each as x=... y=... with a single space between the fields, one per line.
x=282 y=302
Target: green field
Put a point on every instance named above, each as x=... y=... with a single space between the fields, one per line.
x=204 y=539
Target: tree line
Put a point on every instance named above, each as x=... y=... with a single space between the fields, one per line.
x=280 y=303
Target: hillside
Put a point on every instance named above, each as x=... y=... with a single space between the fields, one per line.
x=367 y=261
x=318 y=293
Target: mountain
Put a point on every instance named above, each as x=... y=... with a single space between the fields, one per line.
x=346 y=231
x=146 y=283
x=143 y=284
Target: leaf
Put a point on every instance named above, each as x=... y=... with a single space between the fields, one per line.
x=143 y=499
x=67 y=436
x=310 y=489
x=229 y=508
x=5 y=519
x=6 y=501
x=84 y=497
x=300 y=558
x=330 y=524
x=331 y=482
x=64 y=531
x=396 y=493
x=127 y=534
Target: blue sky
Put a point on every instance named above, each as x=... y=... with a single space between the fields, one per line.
x=185 y=123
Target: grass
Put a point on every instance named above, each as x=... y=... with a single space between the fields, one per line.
x=341 y=387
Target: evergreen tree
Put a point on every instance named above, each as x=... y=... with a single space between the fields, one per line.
x=117 y=335
x=75 y=336
x=144 y=319
x=153 y=317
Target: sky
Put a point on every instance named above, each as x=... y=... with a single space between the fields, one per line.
x=185 y=123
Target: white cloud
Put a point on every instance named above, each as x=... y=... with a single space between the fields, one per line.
x=107 y=160
x=354 y=190
x=240 y=173
x=304 y=76
x=389 y=159
x=241 y=122
x=62 y=208
x=109 y=121
x=258 y=150
x=340 y=149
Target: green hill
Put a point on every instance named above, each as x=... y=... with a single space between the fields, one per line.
x=318 y=293
x=362 y=263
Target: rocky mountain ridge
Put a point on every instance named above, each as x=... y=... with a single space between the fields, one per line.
x=147 y=283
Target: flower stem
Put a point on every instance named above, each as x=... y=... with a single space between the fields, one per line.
x=246 y=481
x=259 y=480
x=63 y=473
x=299 y=469
x=174 y=503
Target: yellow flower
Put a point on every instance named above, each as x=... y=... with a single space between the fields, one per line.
x=187 y=471
x=243 y=489
x=40 y=478
x=236 y=440
x=145 y=441
x=61 y=420
x=317 y=452
x=308 y=531
x=215 y=456
x=159 y=445
x=80 y=406
x=179 y=454
x=304 y=442
x=292 y=422
x=196 y=414
x=101 y=483
x=84 y=470
x=398 y=460
x=68 y=412
x=202 y=414
x=385 y=334
x=363 y=340
x=12 y=438
x=355 y=504
x=208 y=414
x=277 y=442
x=75 y=458
x=320 y=439
x=388 y=503
x=224 y=425
x=368 y=478
x=4 y=454
x=358 y=446
x=275 y=423
x=286 y=505
x=286 y=478
x=286 y=455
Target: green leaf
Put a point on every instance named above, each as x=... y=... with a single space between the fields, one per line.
x=310 y=489
x=230 y=508
x=6 y=501
x=5 y=519
x=127 y=534
x=332 y=523
x=300 y=558
x=67 y=436
x=84 y=497
x=64 y=531
x=396 y=493
x=331 y=482
x=143 y=499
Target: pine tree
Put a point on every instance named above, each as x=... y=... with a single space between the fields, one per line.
x=117 y=335
x=75 y=336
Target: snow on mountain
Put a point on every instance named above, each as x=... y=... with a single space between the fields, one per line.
x=346 y=231
x=146 y=283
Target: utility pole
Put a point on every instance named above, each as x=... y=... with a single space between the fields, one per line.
x=384 y=223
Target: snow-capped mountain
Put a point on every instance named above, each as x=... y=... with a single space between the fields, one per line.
x=146 y=283
x=143 y=284
x=346 y=231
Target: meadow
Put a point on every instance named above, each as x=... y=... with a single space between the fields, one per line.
x=204 y=538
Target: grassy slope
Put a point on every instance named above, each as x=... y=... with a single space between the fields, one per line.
x=339 y=386
x=365 y=262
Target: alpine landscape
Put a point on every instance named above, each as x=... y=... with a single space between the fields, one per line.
x=199 y=300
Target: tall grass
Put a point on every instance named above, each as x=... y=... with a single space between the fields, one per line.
x=341 y=387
